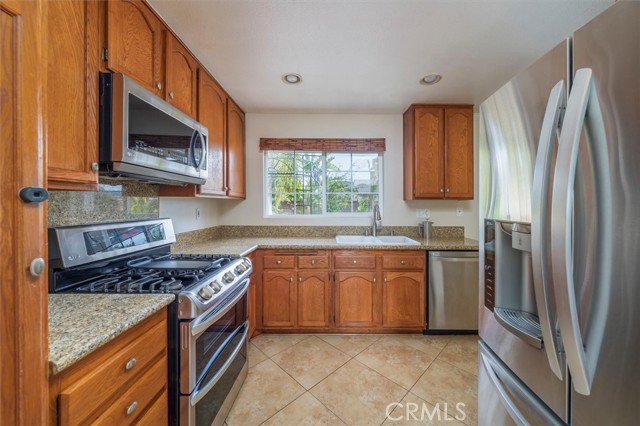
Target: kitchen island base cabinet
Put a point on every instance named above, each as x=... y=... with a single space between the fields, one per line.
x=122 y=383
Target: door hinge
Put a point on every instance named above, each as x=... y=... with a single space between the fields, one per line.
x=105 y=54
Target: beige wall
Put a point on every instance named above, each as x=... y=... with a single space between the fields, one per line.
x=396 y=211
x=183 y=212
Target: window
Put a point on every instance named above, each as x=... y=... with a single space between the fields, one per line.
x=321 y=183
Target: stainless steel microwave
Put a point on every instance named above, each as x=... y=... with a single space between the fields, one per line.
x=143 y=137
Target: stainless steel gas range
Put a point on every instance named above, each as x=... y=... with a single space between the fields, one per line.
x=208 y=322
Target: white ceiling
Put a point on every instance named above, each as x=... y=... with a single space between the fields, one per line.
x=367 y=56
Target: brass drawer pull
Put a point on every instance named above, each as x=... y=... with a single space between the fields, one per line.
x=312 y=261
x=355 y=261
x=403 y=262
x=131 y=408
x=385 y=280
x=130 y=364
x=291 y=279
x=278 y=262
x=374 y=280
x=299 y=279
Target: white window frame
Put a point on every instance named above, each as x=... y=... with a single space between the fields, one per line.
x=266 y=200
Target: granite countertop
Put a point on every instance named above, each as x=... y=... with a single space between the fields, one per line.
x=81 y=323
x=244 y=245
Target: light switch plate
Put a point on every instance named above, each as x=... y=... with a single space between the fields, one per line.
x=198 y=214
x=423 y=213
x=459 y=211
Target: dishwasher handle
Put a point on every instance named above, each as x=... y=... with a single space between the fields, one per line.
x=453 y=256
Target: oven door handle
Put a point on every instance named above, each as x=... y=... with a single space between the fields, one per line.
x=198 y=327
x=199 y=394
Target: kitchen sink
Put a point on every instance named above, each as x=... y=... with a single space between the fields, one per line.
x=393 y=239
x=356 y=239
x=370 y=240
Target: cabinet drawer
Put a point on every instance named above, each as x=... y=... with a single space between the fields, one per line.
x=317 y=261
x=157 y=413
x=137 y=398
x=403 y=262
x=355 y=262
x=80 y=399
x=278 y=262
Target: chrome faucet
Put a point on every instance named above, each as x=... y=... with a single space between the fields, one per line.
x=375 y=227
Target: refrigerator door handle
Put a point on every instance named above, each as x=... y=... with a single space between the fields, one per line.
x=539 y=226
x=583 y=110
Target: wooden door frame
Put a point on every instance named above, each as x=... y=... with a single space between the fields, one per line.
x=23 y=297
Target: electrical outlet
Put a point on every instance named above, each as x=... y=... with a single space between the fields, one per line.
x=423 y=213
x=198 y=214
x=459 y=211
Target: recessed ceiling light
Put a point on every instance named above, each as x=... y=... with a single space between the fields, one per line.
x=430 y=79
x=292 y=78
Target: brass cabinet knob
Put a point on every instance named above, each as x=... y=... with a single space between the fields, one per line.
x=159 y=86
x=171 y=95
x=130 y=364
x=131 y=408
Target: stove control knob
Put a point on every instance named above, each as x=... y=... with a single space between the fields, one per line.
x=215 y=287
x=228 y=277
x=240 y=269
x=206 y=293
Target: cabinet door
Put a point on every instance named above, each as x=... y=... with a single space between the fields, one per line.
x=278 y=299
x=403 y=300
x=314 y=299
x=134 y=44
x=356 y=299
x=182 y=76
x=212 y=111
x=235 y=151
x=459 y=153
x=429 y=152
x=72 y=96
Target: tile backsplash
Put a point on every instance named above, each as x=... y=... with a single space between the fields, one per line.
x=114 y=201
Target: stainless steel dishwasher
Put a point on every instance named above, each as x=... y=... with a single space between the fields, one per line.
x=453 y=292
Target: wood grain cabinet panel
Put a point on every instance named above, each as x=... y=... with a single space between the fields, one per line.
x=409 y=261
x=314 y=299
x=438 y=152
x=235 y=151
x=314 y=261
x=403 y=300
x=72 y=95
x=279 y=261
x=134 y=42
x=212 y=112
x=181 y=76
x=459 y=153
x=356 y=299
x=354 y=260
x=278 y=298
x=157 y=412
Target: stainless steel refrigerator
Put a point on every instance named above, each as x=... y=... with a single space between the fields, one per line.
x=560 y=231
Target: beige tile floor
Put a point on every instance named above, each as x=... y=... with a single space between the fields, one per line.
x=305 y=380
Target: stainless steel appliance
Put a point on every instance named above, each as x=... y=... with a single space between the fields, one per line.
x=453 y=292
x=208 y=323
x=559 y=159
x=143 y=137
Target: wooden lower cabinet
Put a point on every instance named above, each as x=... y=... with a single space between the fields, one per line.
x=122 y=383
x=341 y=291
x=403 y=299
x=278 y=298
x=356 y=299
x=314 y=299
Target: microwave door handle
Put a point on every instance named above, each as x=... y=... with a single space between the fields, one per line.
x=583 y=111
x=539 y=226
x=197 y=136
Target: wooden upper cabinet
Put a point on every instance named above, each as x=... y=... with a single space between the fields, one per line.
x=278 y=298
x=181 y=76
x=314 y=299
x=212 y=112
x=72 y=96
x=356 y=299
x=459 y=153
x=429 y=152
x=235 y=151
x=134 y=42
x=438 y=152
x=403 y=300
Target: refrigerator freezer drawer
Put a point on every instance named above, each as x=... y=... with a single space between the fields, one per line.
x=453 y=290
x=503 y=400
